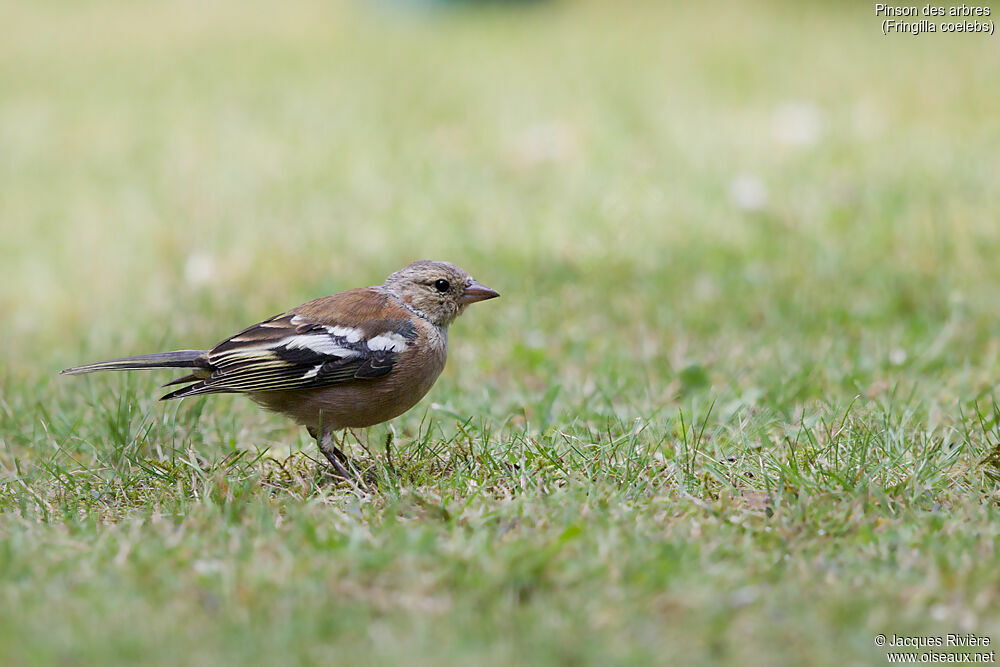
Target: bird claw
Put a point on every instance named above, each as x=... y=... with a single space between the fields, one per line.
x=346 y=470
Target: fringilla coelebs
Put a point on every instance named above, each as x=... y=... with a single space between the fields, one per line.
x=349 y=360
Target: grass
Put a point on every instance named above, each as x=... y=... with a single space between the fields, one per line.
x=700 y=426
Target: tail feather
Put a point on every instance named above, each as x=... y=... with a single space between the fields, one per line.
x=194 y=377
x=196 y=389
x=178 y=359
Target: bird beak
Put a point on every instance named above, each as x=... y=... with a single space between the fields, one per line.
x=476 y=292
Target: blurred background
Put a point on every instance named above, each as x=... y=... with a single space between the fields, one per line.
x=765 y=199
x=628 y=175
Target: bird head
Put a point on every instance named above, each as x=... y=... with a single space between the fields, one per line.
x=439 y=291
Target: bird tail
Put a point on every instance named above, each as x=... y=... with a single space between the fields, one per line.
x=178 y=359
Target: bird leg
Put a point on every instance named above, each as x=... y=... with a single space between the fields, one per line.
x=329 y=446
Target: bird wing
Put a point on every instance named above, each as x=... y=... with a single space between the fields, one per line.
x=351 y=336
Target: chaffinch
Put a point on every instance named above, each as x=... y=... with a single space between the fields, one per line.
x=349 y=360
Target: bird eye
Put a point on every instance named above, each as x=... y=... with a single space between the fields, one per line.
x=441 y=285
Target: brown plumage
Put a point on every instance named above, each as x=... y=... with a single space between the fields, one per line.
x=349 y=360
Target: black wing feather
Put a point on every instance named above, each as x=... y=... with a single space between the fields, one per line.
x=286 y=352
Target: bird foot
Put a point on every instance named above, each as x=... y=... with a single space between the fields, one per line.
x=347 y=470
x=344 y=468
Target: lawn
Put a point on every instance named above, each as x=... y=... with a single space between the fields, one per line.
x=736 y=404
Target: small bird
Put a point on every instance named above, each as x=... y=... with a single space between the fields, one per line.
x=350 y=360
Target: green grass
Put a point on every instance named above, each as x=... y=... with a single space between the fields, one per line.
x=689 y=432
